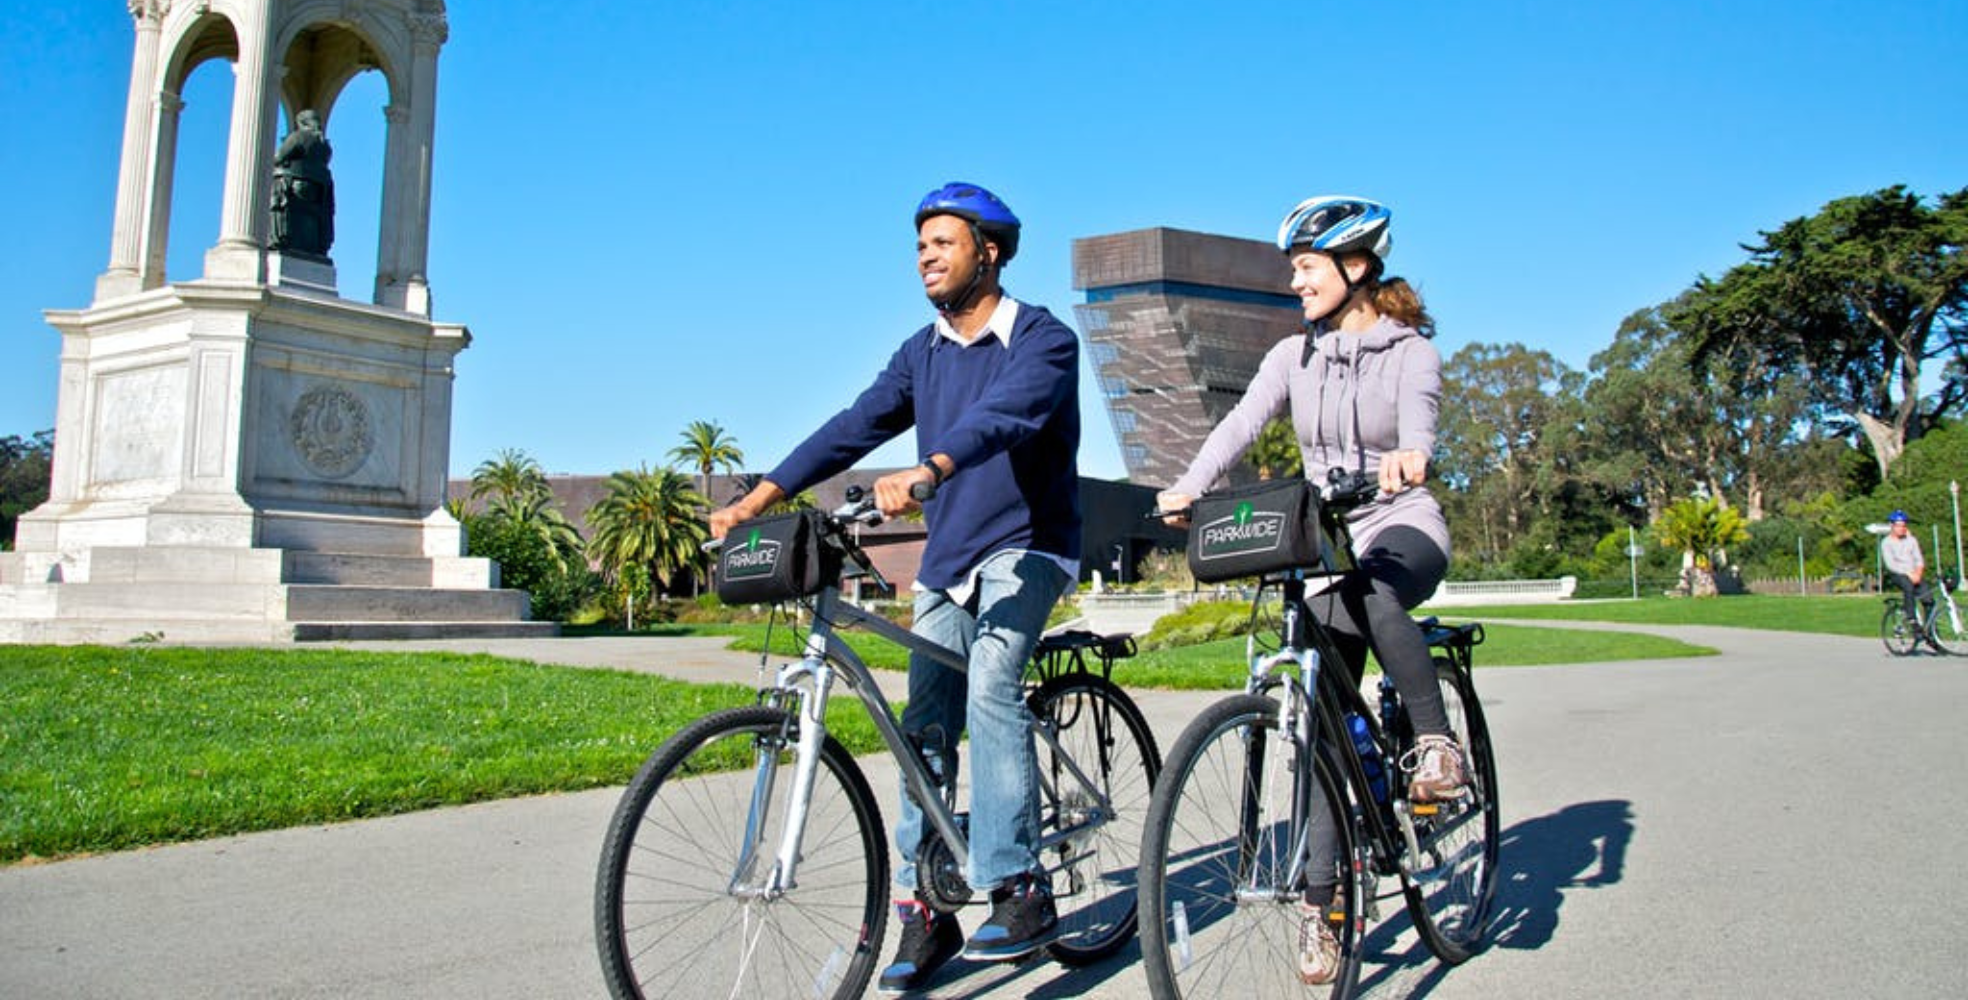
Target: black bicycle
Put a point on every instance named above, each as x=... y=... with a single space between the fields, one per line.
x=1941 y=626
x=748 y=857
x=1257 y=779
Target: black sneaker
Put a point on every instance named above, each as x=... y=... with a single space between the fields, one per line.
x=1022 y=921
x=929 y=939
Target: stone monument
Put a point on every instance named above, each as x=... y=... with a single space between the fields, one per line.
x=249 y=455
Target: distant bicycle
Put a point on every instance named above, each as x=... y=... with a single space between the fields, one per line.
x=748 y=857
x=1943 y=627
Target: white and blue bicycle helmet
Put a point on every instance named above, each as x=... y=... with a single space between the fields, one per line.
x=1337 y=224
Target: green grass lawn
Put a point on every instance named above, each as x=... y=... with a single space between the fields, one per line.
x=105 y=748
x=1853 y=616
x=1221 y=665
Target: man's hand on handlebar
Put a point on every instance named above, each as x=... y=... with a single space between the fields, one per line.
x=751 y=505
x=892 y=492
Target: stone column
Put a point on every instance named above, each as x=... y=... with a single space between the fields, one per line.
x=157 y=200
x=428 y=32
x=397 y=160
x=238 y=256
x=132 y=194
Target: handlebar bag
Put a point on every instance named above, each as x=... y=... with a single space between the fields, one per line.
x=775 y=558
x=1245 y=531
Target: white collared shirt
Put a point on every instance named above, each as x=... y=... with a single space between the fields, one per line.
x=1003 y=318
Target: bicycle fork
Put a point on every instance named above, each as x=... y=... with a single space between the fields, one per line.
x=810 y=707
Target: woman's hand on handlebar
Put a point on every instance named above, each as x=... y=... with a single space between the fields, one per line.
x=1402 y=470
x=1174 y=507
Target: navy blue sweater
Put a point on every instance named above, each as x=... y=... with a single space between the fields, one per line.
x=1009 y=418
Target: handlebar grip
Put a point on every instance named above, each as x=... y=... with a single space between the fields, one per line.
x=922 y=492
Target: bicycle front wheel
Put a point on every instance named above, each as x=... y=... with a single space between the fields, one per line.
x=1095 y=868
x=1451 y=885
x=1227 y=858
x=682 y=907
x=1896 y=630
x=1950 y=629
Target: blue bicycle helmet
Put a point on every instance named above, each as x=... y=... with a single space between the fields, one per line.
x=988 y=215
x=1898 y=515
x=1337 y=224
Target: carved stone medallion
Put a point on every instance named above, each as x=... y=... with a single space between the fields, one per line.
x=331 y=431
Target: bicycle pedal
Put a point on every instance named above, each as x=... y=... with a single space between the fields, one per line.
x=1425 y=808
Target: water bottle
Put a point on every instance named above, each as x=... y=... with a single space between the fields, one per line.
x=1363 y=744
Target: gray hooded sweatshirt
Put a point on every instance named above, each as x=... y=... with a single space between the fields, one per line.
x=1356 y=397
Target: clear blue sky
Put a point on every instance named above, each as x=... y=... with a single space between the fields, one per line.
x=652 y=213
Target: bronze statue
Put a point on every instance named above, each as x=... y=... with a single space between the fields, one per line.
x=303 y=191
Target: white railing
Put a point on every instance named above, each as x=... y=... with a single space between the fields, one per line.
x=1504 y=591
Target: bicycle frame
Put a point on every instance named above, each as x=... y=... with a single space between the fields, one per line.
x=829 y=659
x=1306 y=647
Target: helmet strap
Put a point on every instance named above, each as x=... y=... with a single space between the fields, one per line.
x=963 y=300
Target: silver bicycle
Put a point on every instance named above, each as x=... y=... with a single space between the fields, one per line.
x=748 y=857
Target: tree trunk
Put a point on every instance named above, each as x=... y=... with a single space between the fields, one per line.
x=1888 y=442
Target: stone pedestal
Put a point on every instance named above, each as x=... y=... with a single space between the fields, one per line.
x=250 y=462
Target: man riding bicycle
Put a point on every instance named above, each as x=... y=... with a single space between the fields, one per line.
x=991 y=387
x=1899 y=553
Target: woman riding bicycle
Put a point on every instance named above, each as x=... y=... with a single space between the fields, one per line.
x=1363 y=383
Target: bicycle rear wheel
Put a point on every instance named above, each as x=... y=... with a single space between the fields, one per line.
x=1451 y=886
x=1950 y=629
x=678 y=911
x=1896 y=630
x=1220 y=877
x=1095 y=873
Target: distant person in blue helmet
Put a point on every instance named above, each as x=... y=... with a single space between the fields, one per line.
x=991 y=386
x=1899 y=554
x=1361 y=385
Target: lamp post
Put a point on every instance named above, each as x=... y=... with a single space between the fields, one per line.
x=1954 y=498
x=1633 y=561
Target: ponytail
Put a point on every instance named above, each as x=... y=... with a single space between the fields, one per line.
x=1395 y=298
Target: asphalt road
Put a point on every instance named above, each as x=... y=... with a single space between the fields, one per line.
x=1771 y=822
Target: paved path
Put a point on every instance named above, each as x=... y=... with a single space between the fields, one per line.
x=1778 y=821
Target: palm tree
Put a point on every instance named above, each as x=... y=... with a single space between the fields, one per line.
x=705 y=448
x=1702 y=528
x=512 y=475
x=539 y=514
x=1275 y=453
x=648 y=519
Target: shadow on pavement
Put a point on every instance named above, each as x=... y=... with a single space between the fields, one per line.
x=1581 y=846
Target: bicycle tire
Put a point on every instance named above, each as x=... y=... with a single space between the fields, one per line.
x=1895 y=631
x=1949 y=630
x=1204 y=938
x=667 y=922
x=1450 y=890
x=1096 y=885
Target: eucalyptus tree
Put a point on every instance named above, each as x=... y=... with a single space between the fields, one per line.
x=1498 y=404
x=654 y=520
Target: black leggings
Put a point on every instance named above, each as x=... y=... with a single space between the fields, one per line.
x=1370 y=608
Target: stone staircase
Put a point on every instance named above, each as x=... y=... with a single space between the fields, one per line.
x=195 y=594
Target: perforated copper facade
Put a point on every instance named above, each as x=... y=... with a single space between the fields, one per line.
x=1176 y=323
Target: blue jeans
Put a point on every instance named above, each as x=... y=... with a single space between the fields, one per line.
x=995 y=631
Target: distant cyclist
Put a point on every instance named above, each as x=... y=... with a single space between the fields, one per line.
x=991 y=387
x=1361 y=385
x=1899 y=553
